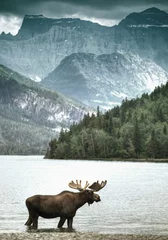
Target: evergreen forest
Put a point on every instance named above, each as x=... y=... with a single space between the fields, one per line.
x=138 y=129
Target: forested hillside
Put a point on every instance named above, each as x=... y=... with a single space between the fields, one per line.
x=136 y=129
x=30 y=115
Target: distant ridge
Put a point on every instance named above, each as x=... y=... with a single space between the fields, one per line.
x=34 y=25
x=149 y=17
x=154 y=10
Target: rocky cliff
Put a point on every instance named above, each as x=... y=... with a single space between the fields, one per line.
x=38 y=56
x=105 y=79
x=34 y=25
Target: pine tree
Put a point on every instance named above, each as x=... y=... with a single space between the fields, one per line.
x=137 y=139
x=165 y=130
x=98 y=111
x=153 y=145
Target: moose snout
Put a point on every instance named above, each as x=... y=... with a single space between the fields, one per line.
x=97 y=198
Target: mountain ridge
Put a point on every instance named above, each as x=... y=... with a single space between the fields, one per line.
x=42 y=24
x=80 y=76
x=154 y=10
x=33 y=25
x=151 y=17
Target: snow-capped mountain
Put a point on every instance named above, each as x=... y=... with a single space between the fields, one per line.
x=44 y=44
x=105 y=79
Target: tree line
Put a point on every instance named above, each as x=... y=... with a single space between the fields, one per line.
x=136 y=129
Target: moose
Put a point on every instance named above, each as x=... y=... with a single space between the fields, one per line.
x=63 y=205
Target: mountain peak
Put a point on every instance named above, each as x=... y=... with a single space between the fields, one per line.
x=154 y=10
x=151 y=17
x=39 y=16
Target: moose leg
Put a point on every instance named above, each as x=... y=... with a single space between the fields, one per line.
x=34 y=218
x=35 y=223
x=70 y=221
x=61 y=222
x=29 y=221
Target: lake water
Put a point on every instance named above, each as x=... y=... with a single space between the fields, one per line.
x=135 y=199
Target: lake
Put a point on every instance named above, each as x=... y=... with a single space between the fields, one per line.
x=134 y=201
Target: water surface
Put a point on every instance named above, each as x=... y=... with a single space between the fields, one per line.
x=135 y=199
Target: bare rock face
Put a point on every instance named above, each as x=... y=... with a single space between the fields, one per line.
x=38 y=56
x=106 y=79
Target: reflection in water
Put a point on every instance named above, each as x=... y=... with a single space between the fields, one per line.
x=135 y=199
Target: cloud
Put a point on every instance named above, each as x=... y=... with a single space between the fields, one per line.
x=107 y=12
x=91 y=8
x=10 y=24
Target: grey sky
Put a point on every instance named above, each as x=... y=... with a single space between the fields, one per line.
x=105 y=12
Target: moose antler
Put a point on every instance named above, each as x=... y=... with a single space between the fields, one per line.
x=96 y=186
x=77 y=185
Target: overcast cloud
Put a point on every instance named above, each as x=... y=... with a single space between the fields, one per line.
x=105 y=12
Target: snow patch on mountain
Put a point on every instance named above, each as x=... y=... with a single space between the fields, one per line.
x=118 y=94
x=147 y=25
x=40 y=16
x=51 y=111
x=37 y=79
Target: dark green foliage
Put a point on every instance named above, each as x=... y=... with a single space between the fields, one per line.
x=136 y=129
x=137 y=138
x=23 y=138
x=153 y=145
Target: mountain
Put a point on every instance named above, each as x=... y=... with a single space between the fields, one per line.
x=38 y=56
x=34 y=25
x=106 y=79
x=152 y=17
x=33 y=114
x=42 y=43
x=8 y=36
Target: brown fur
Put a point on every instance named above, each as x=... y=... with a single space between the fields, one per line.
x=63 y=205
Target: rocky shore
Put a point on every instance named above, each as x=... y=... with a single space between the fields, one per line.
x=77 y=236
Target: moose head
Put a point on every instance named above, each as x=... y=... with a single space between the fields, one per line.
x=94 y=187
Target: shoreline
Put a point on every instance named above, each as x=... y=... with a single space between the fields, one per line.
x=143 y=160
x=140 y=160
x=77 y=236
